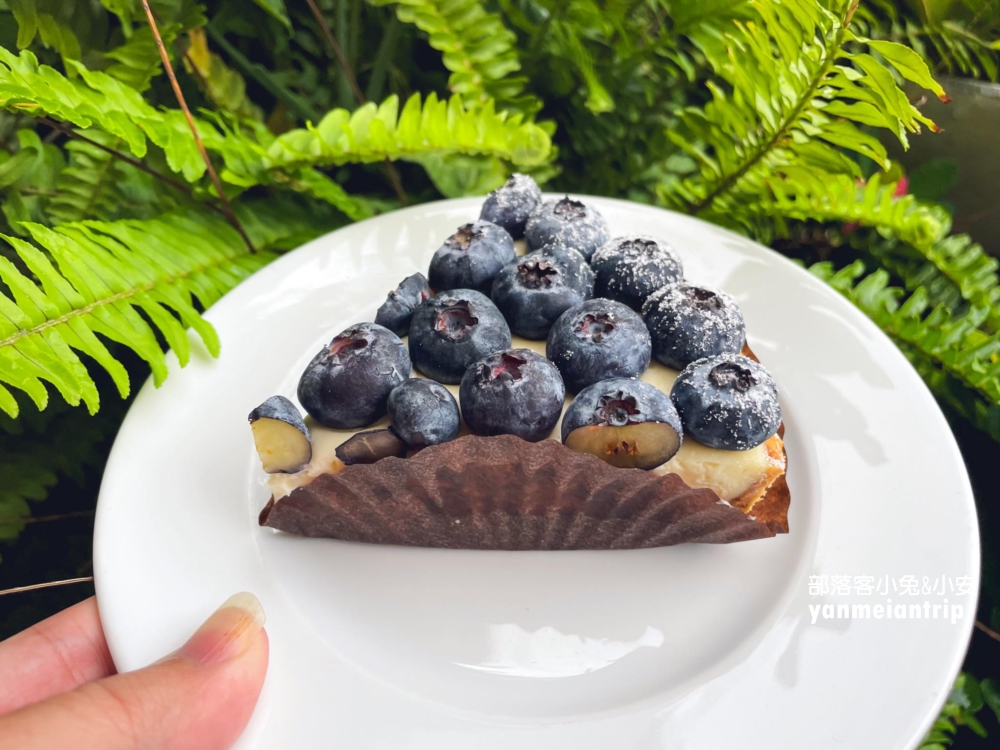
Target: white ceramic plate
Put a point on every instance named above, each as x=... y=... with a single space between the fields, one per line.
x=687 y=647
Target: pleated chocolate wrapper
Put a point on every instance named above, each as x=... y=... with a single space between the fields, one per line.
x=503 y=493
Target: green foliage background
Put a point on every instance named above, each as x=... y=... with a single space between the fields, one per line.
x=764 y=116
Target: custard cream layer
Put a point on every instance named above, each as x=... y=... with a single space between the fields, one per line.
x=730 y=474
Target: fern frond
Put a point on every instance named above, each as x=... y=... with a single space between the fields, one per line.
x=476 y=47
x=47 y=21
x=432 y=127
x=87 y=187
x=223 y=86
x=252 y=155
x=103 y=275
x=23 y=477
x=791 y=90
x=137 y=61
x=35 y=459
x=959 y=361
x=952 y=269
x=804 y=195
x=27 y=179
x=959 y=47
x=955 y=271
x=285 y=221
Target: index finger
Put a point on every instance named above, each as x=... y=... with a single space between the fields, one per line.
x=56 y=655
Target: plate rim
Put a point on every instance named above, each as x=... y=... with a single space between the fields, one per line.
x=101 y=551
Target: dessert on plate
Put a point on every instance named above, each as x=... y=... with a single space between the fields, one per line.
x=580 y=395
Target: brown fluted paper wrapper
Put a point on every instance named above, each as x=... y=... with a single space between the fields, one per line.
x=507 y=494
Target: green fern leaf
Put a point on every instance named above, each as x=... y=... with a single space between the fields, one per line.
x=789 y=92
x=137 y=61
x=285 y=221
x=959 y=361
x=30 y=466
x=955 y=271
x=221 y=84
x=252 y=155
x=276 y=8
x=375 y=133
x=951 y=269
x=102 y=274
x=807 y=195
x=87 y=187
x=126 y=10
x=23 y=477
x=958 y=47
x=477 y=48
x=44 y=18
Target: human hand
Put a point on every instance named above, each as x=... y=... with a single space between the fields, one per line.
x=59 y=688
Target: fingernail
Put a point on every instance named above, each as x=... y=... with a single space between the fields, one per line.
x=229 y=632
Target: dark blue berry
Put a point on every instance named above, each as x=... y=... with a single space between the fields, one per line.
x=396 y=311
x=569 y=221
x=626 y=422
x=280 y=436
x=689 y=322
x=597 y=340
x=510 y=205
x=728 y=402
x=629 y=269
x=471 y=257
x=513 y=392
x=423 y=412
x=348 y=383
x=452 y=330
x=534 y=290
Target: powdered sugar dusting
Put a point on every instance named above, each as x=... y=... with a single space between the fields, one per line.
x=631 y=268
x=689 y=322
x=752 y=410
x=510 y=205
x=520 y=191
x=570 y=222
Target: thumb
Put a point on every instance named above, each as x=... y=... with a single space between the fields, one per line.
x=199 y=697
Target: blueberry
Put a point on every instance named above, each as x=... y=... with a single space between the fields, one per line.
x=511 y=205
x=348 y=383
x=728 y=402
x=597 y=340
x=280 y=436
x=629 y=269
x=396 y=311
x=513 y=392
x=370 y=447
x=534 y=290
x=423 y=412
x=689 y=322
x=452 y=330
x=574 y=223
x=471 y=257
x=626 y=422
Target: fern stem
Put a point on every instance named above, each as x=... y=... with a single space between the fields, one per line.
x=60 y=517
x=334 y=45
x=47 y=585
x=989 y=631
x=779 y=135
x=168 y=66
x=331 y=40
